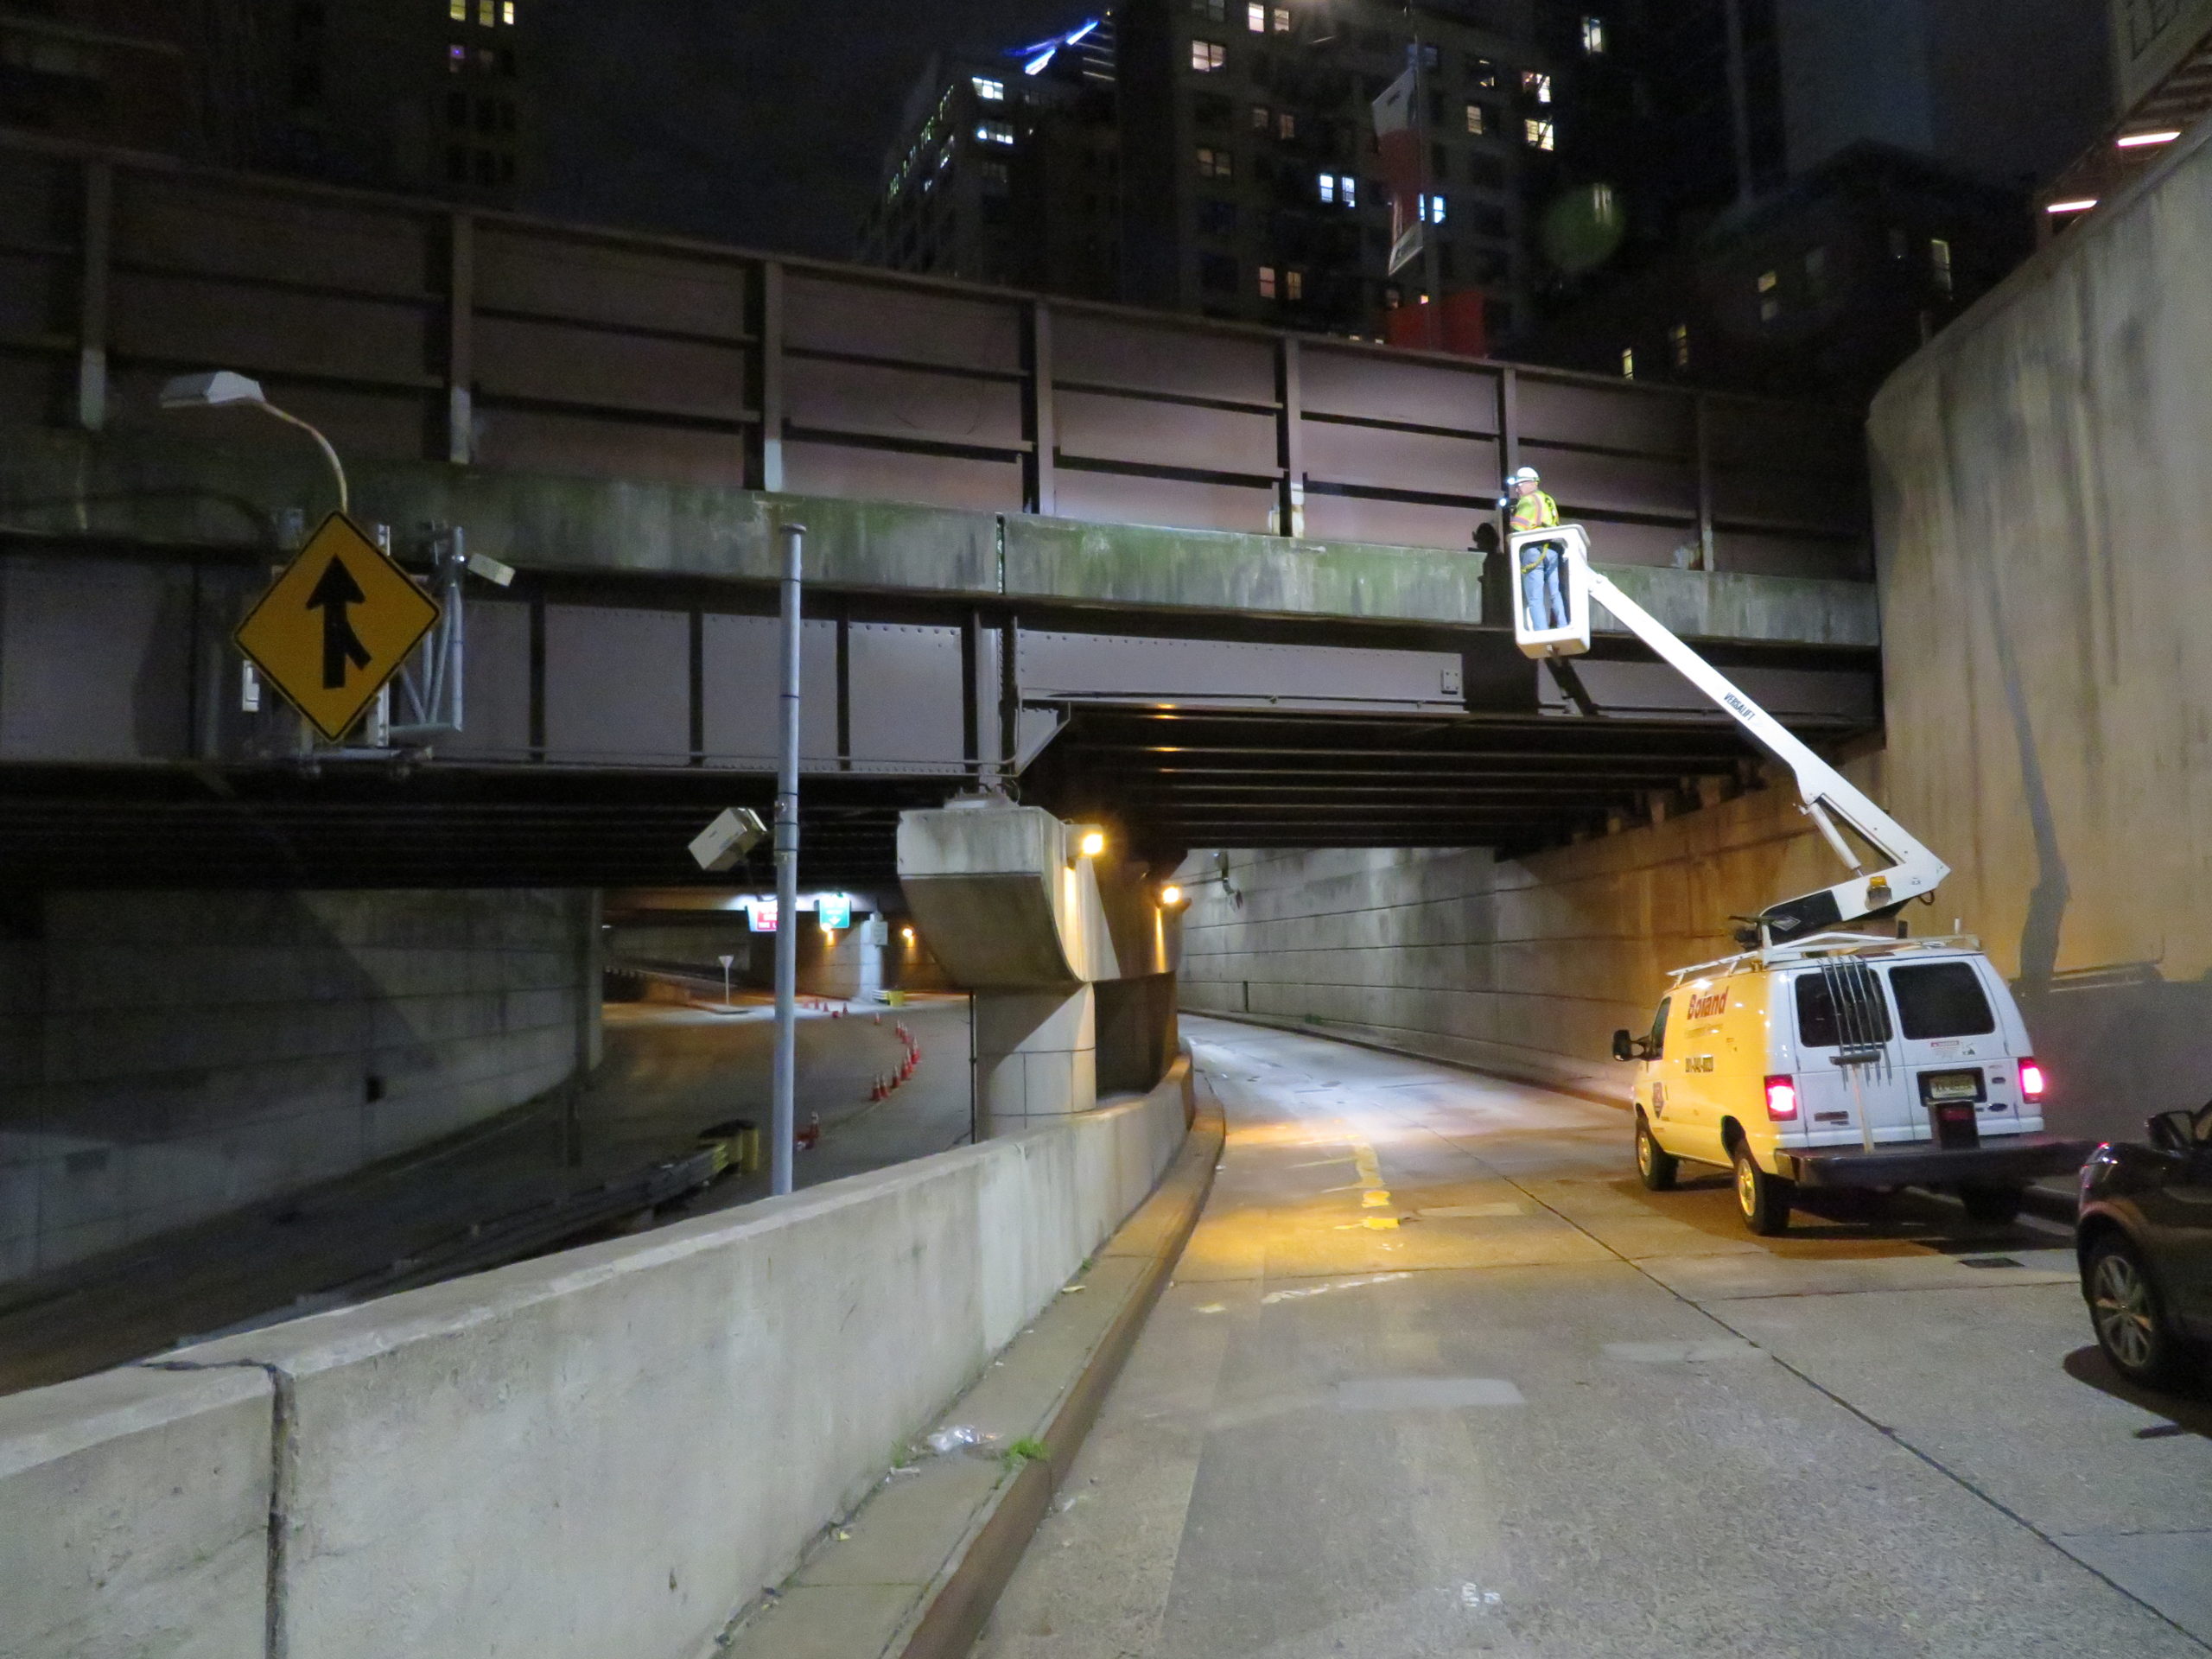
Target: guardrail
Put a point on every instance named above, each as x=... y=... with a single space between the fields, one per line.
x=411 y=329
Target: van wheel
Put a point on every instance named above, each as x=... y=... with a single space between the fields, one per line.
x=1993 y=1207
x=1657 y=1168
x=1763 y=1199
x=2131 y=1324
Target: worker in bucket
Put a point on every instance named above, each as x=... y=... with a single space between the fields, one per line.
x=1531 y=509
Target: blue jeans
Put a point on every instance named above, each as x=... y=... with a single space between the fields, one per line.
x=1540 y=588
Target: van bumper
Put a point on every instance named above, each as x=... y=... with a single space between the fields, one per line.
x=2011 y=1160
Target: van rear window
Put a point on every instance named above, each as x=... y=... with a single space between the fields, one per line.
x=1941 y=999
x=1864 y=1018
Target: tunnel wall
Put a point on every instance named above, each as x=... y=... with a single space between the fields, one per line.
x=1521 y=967
x=167 y=1057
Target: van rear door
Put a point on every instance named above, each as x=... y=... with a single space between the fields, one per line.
x=1950 y=1047
x=1853 y=1086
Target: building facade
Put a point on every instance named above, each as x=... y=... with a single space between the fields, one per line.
x=128 y=72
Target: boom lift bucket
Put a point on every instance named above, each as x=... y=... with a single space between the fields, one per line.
x=1574 y=586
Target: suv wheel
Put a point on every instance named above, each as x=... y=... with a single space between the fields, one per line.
x=1657 y=1168
x=1993 y=1207
x=1763 y=1199
x=2124 y=1308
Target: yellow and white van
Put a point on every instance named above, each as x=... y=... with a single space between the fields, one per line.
x=1845 y=1061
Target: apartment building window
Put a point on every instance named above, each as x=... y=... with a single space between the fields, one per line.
x=1217 y=273
x=1593 y=36
x=1678 y=340
x=1293 y=285
x=1436 y=210
x=1535 y=84
x=1262 y=117
x=1770 y=286
x=507 y=12
x=1340 y=187
x=1286 y=125
x=1541 y=134
x=1282 y=16
x=1267 y=281
x=1475 y=120
x=1431 y=57
x=1256 y=17
x=1939 y=261
x=1484 y=72
x=458 y=10
x=991 y=92
x=1213 y=163
x=1216 y=218
x=487 y=15
x=1628 y=362
x=994 y=132
x=1213 y=12
x=1209 y=57
x=996 y=175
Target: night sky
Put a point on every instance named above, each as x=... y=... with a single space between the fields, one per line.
x=761 y=122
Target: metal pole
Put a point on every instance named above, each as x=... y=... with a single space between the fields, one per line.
x=787 y=849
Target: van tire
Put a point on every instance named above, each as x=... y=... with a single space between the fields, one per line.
x=1993 y=1207
x=1654 y=1166
x=1762 y=1199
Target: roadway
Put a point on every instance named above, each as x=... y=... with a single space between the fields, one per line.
x=1436 y=1376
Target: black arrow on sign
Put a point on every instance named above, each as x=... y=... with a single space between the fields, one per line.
x=334 y=590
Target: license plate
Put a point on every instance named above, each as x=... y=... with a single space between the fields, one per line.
x=1952 y=1085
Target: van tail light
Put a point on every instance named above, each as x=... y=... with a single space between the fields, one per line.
x=2032 y=1081
x=1782 y=1099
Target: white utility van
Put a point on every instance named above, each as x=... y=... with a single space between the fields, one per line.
x=1845 y=1061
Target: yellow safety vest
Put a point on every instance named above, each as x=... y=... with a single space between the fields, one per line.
x=1537 y=511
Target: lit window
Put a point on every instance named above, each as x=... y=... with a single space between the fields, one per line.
x=991 y=92
x=1267 y=280
x=485 y=13
x=1213 y=163
x=456 y=58
x=1436 y=210
x=507 y=12
x=1769 y=281
x=1328 y=187
x=1770 y=309
x=1475 y=119
x=1939 y=260
x=1207 y=57
x=1286 y=125
x=1282 y=20
x=994 y=132
x=1256 y=17
x=1431 y=57
x=1486 y=72
x=1348 y=190
x=1537 y=85
x=1628 y=362
x=1293 y=285
x=1593 y=35
x=458 y=10
x=1679 y=338
x=1262 y=117
x=1540 y=134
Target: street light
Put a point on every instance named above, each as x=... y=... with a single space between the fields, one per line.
x=222 y=389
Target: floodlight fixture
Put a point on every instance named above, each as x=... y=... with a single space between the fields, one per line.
x=226 y=388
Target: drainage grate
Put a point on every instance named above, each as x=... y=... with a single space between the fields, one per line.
x=1991 y=1261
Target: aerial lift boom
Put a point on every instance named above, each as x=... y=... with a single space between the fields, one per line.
x=1911 y=870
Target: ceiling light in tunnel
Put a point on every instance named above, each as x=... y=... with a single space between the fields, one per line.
x=2081 y=205
x=2143 y=140
x=1171 y=895
x=1092 y=844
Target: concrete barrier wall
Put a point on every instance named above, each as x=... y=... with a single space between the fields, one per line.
x=609 y=1451
x=166 y=1057
x=2045 y=520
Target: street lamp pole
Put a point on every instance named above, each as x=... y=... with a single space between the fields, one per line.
x=223 y=389
x=786 y=849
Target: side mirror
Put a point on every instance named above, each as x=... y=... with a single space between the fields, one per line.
x=2169 y=1132
x=1624 y=1046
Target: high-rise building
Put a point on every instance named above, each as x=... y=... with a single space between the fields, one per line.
x=428 y=95
x=1220 y=157
x=128 y=72
x=1007 y=169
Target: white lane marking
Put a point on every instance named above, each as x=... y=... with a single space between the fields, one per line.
x=1425 y=1393
x=1470 y=1211
x=1676 y=1353
x=1274 y=1296
x=1477 y=1600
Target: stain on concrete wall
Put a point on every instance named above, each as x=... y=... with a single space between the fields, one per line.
x=167 y=1057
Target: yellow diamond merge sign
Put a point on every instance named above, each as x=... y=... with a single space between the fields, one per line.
x=335 y=626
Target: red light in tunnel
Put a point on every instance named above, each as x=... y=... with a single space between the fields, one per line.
x=1782 y=1099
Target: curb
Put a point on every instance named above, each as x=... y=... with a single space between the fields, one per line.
x=953 y=1616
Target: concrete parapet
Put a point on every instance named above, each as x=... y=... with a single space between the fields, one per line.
x=613 y=1450
x=134 y=1516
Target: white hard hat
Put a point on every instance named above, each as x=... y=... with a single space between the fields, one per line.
x=1526 y=475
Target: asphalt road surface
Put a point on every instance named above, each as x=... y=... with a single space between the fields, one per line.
x=1437 y=1377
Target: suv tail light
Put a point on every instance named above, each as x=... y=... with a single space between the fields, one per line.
x=1782 y=1099
x=2030 y=1082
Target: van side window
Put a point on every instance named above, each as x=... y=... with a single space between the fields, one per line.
x=1867 y=1020
x=1659 y=1030
x=1941 y=999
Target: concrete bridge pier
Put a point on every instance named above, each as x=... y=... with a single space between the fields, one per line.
x=1069 y=956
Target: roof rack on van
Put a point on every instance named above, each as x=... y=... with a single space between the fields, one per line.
x=1816 y=946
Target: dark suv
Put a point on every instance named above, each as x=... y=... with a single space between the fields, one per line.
x=2145 y=1237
